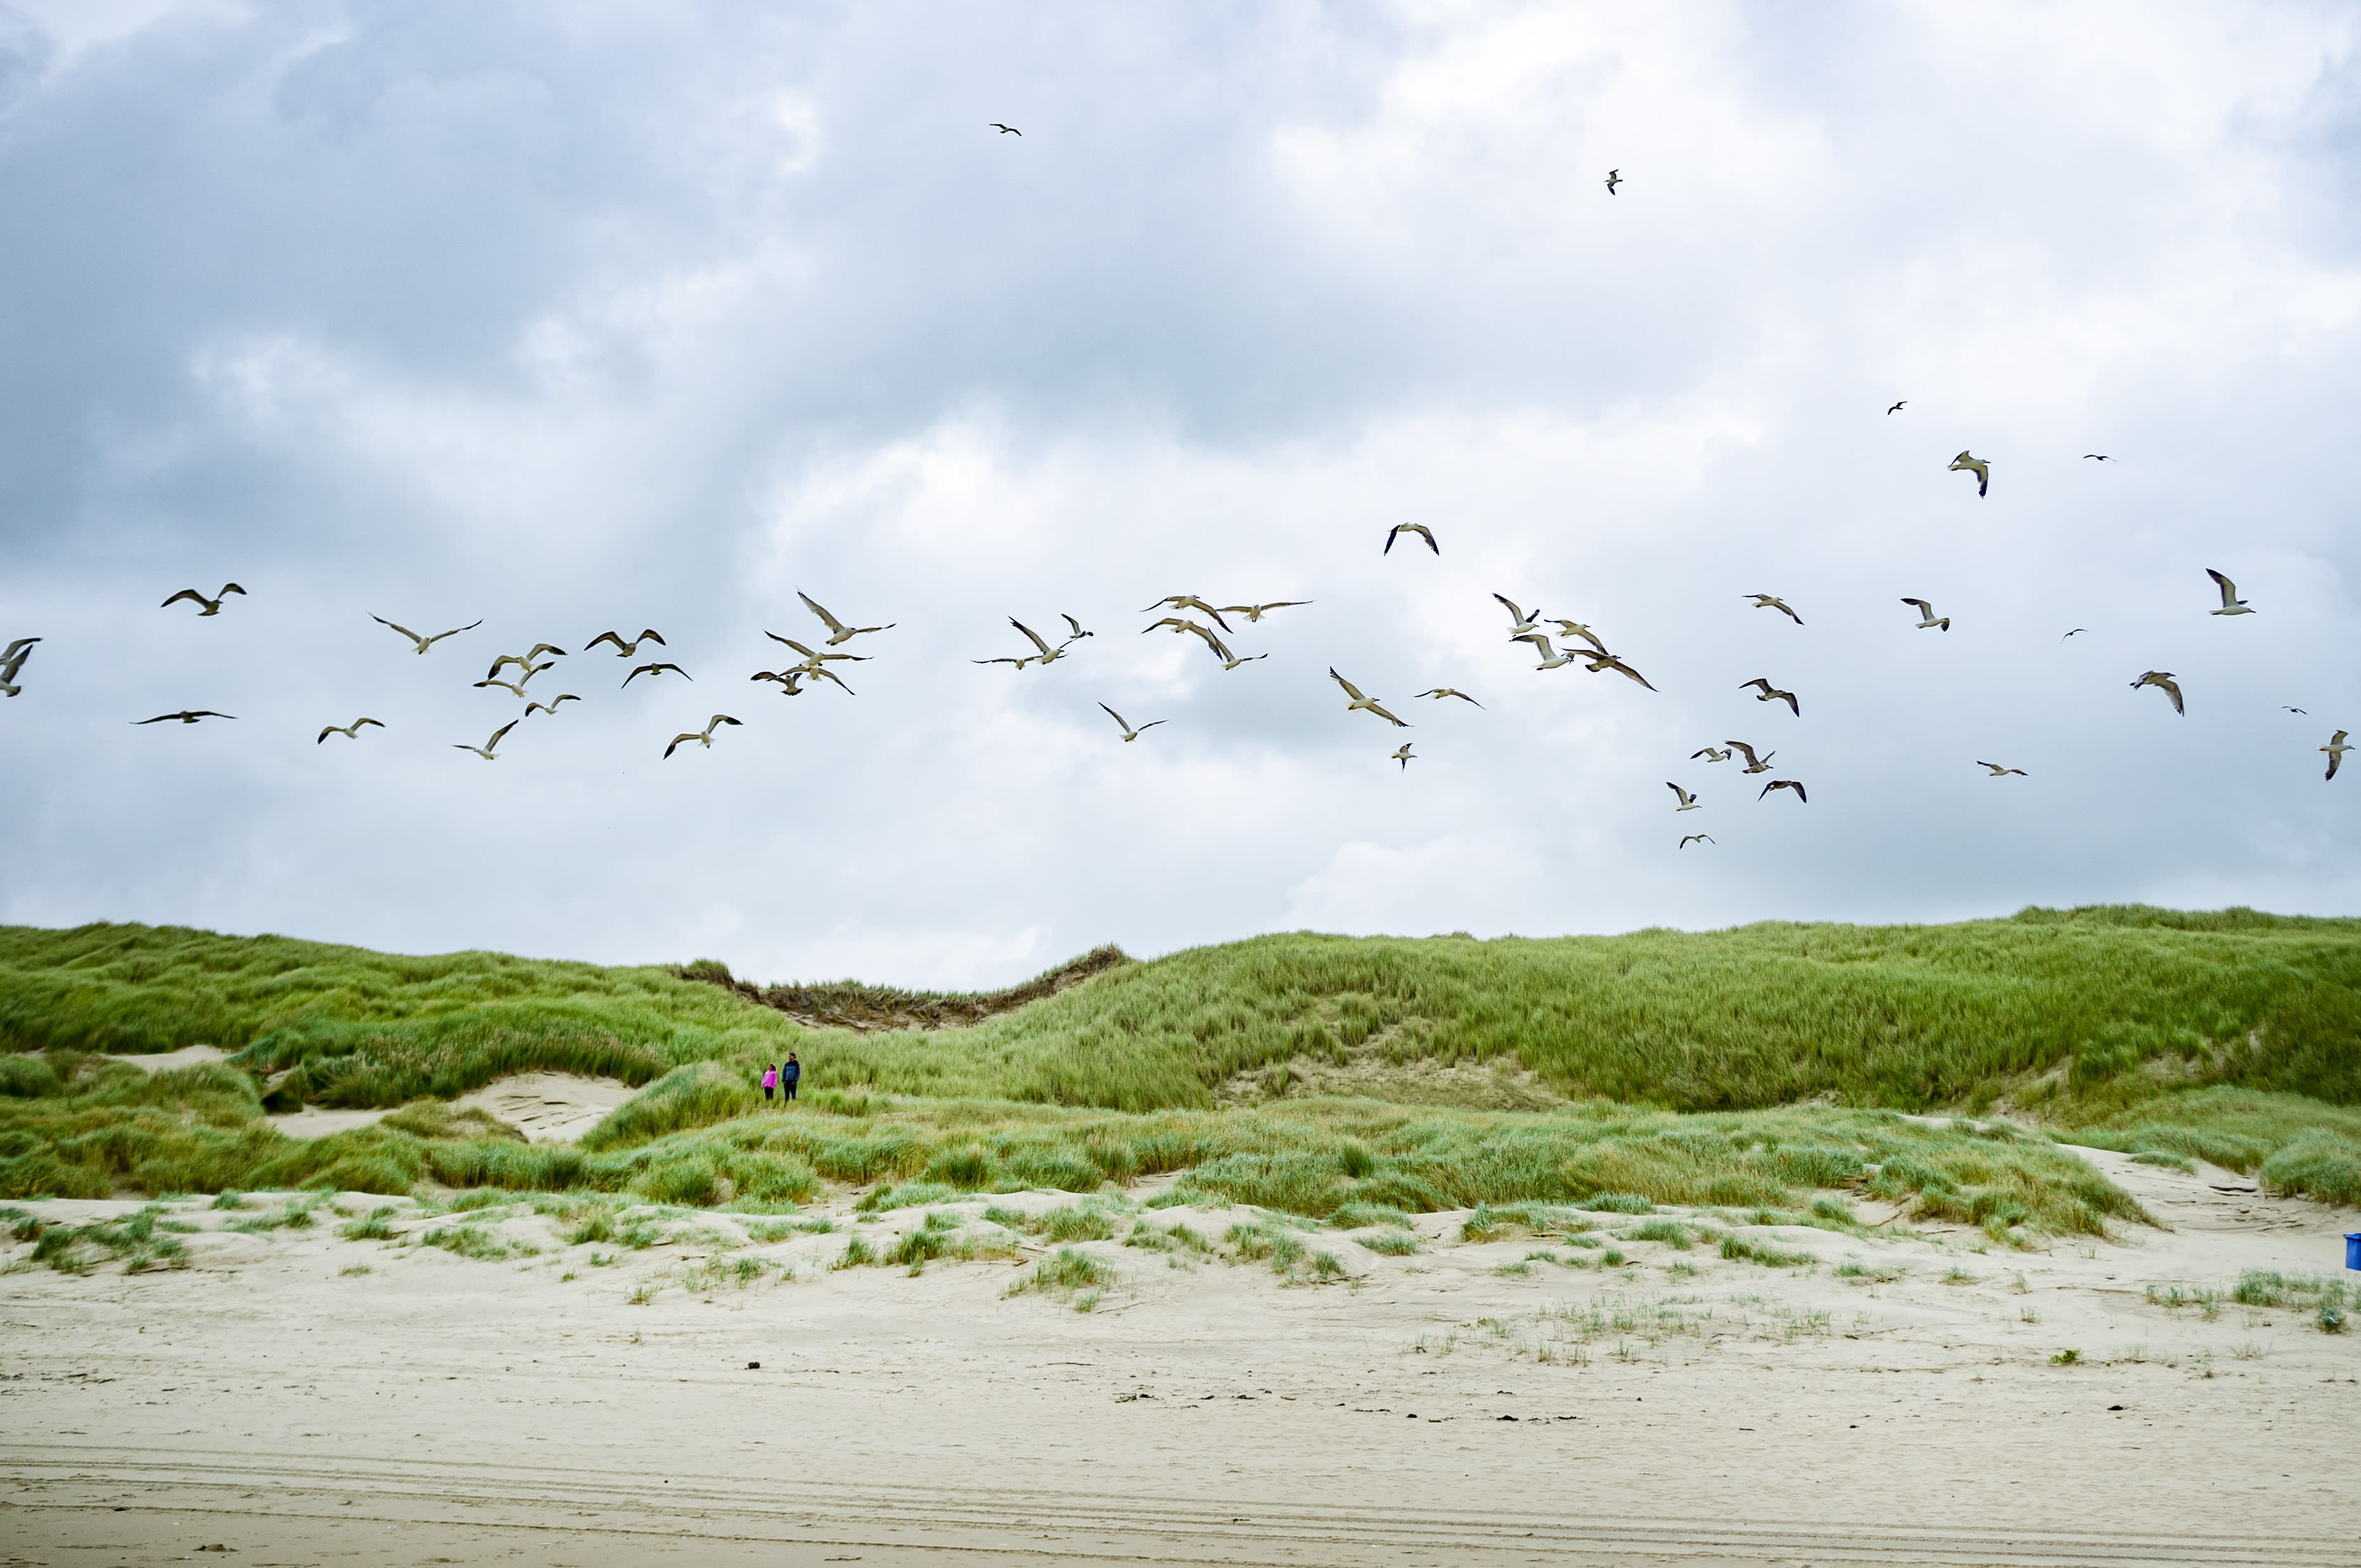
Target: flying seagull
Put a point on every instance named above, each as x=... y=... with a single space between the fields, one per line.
x=1401 y=755
x=1926 y=619
x=1254 y=612
x=2337 y=747
x=1614 y=177
x=1180 y=626
x=813 y=656
x=1772 y=601
x=525 y=660
x=2162 y=680
x=2000 y=773
x=1897 y=408
x=1186 y=601
x=1519 y=621
x=549 y=707
x=1754 y=764
x=1075 y=627
x=2231 y=603
x=485 y=750
x=1710 y=754
x=1612 y=662
x=1576 y=629
x=702 y=737
x=1006 y=130
x=213 y=606
x=1363 y=703
x=12 y=661
x=837 y=631
x=1687 y=801
x=185 y=715
x=1689 y=838
x=513 y=688
x=349 y=731
x=654 y=671
x=1769 y=693
x=1046 y=654
x=1418 y=527
x=1550 y=658
x=625 y=650
x=2094 y=456
x=1439 y=693
x=426 y=643
x=1786 y=783
x=1129 y=734
x=1968 y=462
x=1231 y=661
x=2284 y=707
x=2075 y=633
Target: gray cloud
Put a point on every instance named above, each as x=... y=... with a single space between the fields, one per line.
x=646 y=316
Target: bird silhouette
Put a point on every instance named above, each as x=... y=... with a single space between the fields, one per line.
x=1772 y=601
x=425 y=642
x=1968 y=463
x=2162 y=680
x=1769 y=693
x=186 y=716
x=1360 y=703
x=349 y=731
x=837 y=631
x=625 y=650
x=702 y=737
x=1006 y=130
x=1129 y=734
x=1439 y=693
x=486 y=750
x=1418 y=527
x=211 y=606
x=1614 y=177
x=1999 y=771
x=653 y=672
x=1689 y=839
x=1687 y=802
x=1899 y=405
x=1754 y=764
x=1785 y=784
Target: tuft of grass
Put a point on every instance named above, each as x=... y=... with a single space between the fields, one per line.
x=1669 y=1232
x=1390 y=1244
x=1064 y=1273
x=2181 y=1163
x=1175 y=1237
x=857 y=1253
x=376 y=1225
x=475 y=1241
x=1744 y=1250
x=131 y=1239
x=1619 y=1203
x=2065 y=1358
x=352 y=1270
x=1263 y=1241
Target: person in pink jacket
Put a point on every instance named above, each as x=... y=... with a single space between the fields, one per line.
x=769 y=1081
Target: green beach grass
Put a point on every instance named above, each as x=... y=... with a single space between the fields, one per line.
x=1300 y=1072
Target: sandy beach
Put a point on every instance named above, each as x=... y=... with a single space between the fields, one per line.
x=297 y=1398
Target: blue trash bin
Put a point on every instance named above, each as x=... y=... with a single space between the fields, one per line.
x=2353 y=1249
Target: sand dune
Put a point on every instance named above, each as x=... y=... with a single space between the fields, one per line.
x=1898 y=1402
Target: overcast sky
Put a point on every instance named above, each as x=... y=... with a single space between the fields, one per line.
x=611 y=315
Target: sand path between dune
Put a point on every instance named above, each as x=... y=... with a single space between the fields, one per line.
x=594 y=1403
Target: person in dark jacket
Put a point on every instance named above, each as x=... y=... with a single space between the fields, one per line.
x=788 y=1074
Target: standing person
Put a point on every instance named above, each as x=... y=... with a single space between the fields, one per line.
x=789 y=1074
x=771 y=1082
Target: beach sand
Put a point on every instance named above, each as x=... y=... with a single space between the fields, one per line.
x=439 y=1408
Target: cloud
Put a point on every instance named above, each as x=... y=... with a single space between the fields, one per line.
x=653 y=318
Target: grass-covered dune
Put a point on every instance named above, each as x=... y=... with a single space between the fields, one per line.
x=2234 y=1035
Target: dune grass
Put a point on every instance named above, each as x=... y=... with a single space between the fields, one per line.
x=1679 y=1065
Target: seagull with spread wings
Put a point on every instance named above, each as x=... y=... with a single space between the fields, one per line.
x=1360 y=703
x=2162 y=681
x=1401 y=755
x=1710 y=754
x=1186 y=601
x=625 y=650
x=1612 y=662
x=654 y=672
x=1689 y=839
x=425 y=642
x=1520 y=622
x=1550 y=658
x=1754 y=764
x=1899 y=404
x=525 y=660
x=1006 y=130
x=1687 y=802
x=549 y=707
x=1927 y=621
x=1998 y=772
x=1129 y=734
x=837 y=631
x=1785 y=784
x=1769 y=693
x=813 y=656
x=12 y=661
x=2337 y=747
x=211 y=606
x=1439 y=693
x=2231 y=603
x=1772 y=601
x=1254 y=612
x=1046 y=655
x=1968 y=463
x=349 y=731
x=702 y=737
x=1418 y=527
x=1614 y=177
x=186 y=716
x=1074 y=627
x=487 y=749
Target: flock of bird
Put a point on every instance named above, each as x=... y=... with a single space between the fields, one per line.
x=1557 y=642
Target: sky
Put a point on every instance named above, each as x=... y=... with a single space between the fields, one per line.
x=620 y=315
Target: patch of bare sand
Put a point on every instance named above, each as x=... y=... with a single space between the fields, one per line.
x=1900 y=1402
x=549 y=1107
x=168 y=1061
